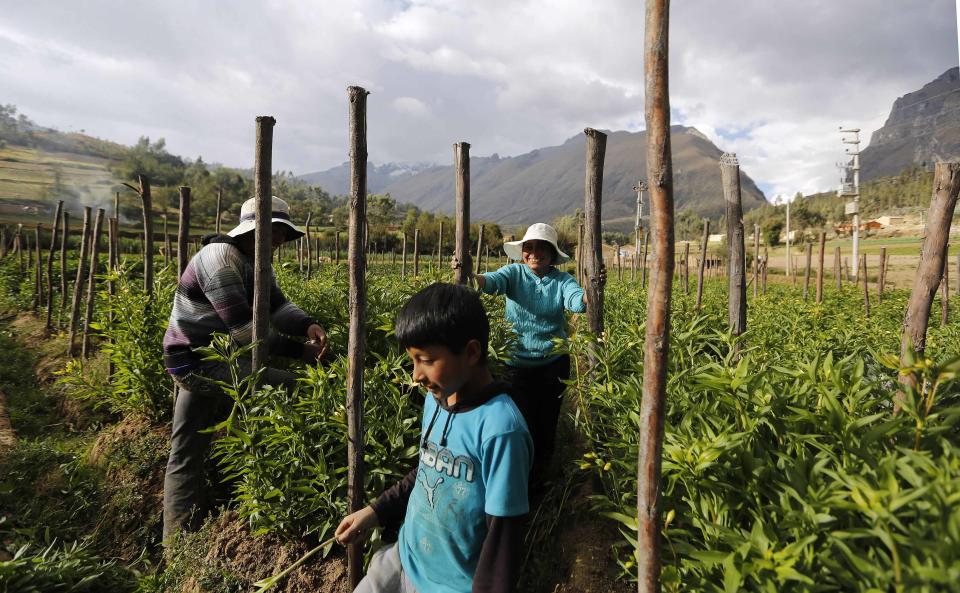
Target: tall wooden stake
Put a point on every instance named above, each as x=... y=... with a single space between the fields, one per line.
x=416 y=252
x=882 y=279
x=866 y=285
x=806 y=273
x=147 y=234
x=78 y=284
x=166 y=240
x=50 y=256
x=183 y=231
x=64 y=243
x=38 y=297
x=479 y=248
x=703 y=261
x=756 y=257
x=91 y=282
x=823 y=245
x=403 y=259
x=593 y=190
x=461 y=161
x=945 y=189
x=309 y=246
x=657 y=348
x=220 y=207
x=945 y=291
x=263 y=238
x=737 y=276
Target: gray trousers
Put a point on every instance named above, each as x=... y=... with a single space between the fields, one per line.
x=385 y=574
x=200 y=404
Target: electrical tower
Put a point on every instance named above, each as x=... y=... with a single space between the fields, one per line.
x=854 y=192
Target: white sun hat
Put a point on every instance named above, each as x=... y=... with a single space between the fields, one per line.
x=537 y=231
x=280 y=213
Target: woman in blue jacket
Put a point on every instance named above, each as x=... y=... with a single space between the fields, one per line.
x=538 y=296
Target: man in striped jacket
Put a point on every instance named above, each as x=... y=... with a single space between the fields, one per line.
x=215 y=295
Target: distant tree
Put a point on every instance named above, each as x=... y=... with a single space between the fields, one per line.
x=152 y=160
x=771 y=232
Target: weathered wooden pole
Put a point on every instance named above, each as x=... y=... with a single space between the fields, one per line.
x=763 y=271
x=38 y=297
x=220 y=208
x=78 y=283
x=736 y=274
x=580 y=252
x=703 y=261
x=882 y=278
x=866 y=285
x=945 y=292
x=18 y=246
x=91 y=282
x=439 y=246
x=416 y=252
x=823 y=246
x=166 y=239
x=64 y=240
x=183 y=231
x=263 y=239
x=479 y=249
x=338 y=250
x=616 y=253
x=756 y=257
x=593 y=260
x=309 y=245
x=643 y=263
x=403 y=258
x=357 y=308
x=806 y=273
x=836 y=268
x=461 y=162
x=147 y=234
x=946 y=186
x=112 y=230
x=657 y=347
x=686 y=267
x=50 y=255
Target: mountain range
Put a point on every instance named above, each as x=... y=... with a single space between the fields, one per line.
x=548 y=182
x=922 y=128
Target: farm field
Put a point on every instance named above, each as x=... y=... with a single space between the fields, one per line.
x=785 y=468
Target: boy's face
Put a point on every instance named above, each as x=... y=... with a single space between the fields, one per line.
x=441 y=371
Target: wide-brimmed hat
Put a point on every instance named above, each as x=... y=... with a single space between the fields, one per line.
x=280 y=213
x=541 y=232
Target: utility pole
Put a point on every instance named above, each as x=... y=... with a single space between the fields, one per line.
x=854 y=192
x=640 y=187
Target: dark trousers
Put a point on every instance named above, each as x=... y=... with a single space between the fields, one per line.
x=538 y=392
x=200 y=404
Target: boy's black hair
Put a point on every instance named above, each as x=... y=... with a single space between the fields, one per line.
x=447 y=315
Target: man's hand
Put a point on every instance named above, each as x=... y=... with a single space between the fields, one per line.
x=356 y=526
x=318 y=338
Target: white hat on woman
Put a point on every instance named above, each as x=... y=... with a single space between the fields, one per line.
x=539 y=232
x=280 y=213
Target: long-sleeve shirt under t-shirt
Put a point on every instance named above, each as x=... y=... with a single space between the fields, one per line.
x=535 y=308
x=215 y=295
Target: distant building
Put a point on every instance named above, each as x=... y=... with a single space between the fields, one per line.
x=716 y=238
x=891 y=220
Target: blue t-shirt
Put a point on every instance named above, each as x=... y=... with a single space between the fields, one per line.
x=535 y=307
x=481 y=471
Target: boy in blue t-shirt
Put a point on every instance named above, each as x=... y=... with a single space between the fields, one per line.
x=463 y=507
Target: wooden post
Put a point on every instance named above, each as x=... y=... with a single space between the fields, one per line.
x=593 y=190
x=703 y=261
x=416 y=252
x=616 y=249
x=166 y=240
x=763 y=271
x=338 y=250
x=309 y=246
x=836 y=268
x=112 y=228
x=866 y=285
x=479 y=249
x=91 y=282
x=38 y=298
x=882 y=279
x=823 y=246
x=946 y=186
x=945 y=291
x=686 y=267
x=657 y=344
x=439 y=246
x=403 y=259
x=357 y=303
x=183 y=232
x=461 y=161
x=18 y=246
x=756 y=257
x=64 y=240
x=263 y=239
x=147 y=233
x=806 y=273
x=220 y=208
x=737 y=276
x=646 y=249
x=50 y=255
x=78 y=283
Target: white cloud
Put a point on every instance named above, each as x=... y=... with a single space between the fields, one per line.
x=770 y=80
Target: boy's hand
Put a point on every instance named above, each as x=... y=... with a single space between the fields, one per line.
x=356 y=526
x=317 y=337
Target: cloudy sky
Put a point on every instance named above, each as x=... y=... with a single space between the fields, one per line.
x=768 y=79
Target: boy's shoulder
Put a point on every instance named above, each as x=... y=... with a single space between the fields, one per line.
x=500 y=415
